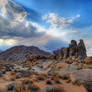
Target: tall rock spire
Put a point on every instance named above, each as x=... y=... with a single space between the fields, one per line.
x=81 y=50
x=74 y=50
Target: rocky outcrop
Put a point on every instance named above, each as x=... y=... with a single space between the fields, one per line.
x=74 y=50
x=81 y=50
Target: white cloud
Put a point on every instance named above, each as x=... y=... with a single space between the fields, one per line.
x=88 y=43
x=7 y=43
x=78 y=16
x=57 y=21
x=58 y=24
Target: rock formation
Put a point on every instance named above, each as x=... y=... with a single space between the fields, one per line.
x=81 y=50
x=74 y=50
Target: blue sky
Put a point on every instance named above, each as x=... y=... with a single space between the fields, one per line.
x=48 y=24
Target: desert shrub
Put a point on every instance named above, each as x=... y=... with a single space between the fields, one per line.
x=47 y=66
x=13 y=77
x=27 y=80
x=49 y=82
x=41 y=77
x=58 y=82
x=77 y=82
x=35 y=87
x=68 y=81
x=58 y=67
x=25 y=85
x=88 y=60
x=18 y=75
x=56 y=79
x=66 y=77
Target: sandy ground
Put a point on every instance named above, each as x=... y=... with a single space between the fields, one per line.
x=68 y=87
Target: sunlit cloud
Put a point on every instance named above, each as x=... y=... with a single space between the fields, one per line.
x=9 y=42
x=56 y=21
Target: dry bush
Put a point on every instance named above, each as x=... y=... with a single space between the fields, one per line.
x=58 y=82
x=68 y=81
x=27 y=80
x=66 y=77
x=13 y=78
x=77 y=82
x=35 y=87
x=13 y=73
x=56 y=79
x=41 y=77
x=58 y=67
x=26 y=85
x=49 y=82
x=47 y=66
x=88 y=60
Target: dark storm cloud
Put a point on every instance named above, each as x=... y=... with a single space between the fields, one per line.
x=13 y=23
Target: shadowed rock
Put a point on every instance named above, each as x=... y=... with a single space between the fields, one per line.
x=74 y=50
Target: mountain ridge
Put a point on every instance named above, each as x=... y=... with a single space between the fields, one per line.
x=20 y=53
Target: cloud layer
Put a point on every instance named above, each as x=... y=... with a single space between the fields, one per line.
x=16 y=30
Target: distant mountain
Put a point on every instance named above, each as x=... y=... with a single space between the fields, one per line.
x=0 y=51
x=20 y=53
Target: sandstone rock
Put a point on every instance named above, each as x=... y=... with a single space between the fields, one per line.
x=65 y=52
x=74 y=50
x=81 y=50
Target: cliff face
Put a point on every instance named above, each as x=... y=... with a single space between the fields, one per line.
x=74 y=50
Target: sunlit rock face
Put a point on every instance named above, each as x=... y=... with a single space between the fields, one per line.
x=74 y=50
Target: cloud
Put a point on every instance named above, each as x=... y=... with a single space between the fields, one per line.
x=7 y=43
x=59 y=22
x=13 y=23
x=88 y=43
x=16 y=30
x=59 y=26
